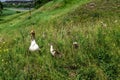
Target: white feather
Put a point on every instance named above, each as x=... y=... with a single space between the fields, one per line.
x=52 y=50
x=34 y=46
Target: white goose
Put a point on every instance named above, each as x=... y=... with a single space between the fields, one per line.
x=34 y=46
x=54 y=52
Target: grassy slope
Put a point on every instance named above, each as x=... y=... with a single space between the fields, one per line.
x=98 y=53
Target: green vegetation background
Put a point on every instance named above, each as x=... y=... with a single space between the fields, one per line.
x=94 y=24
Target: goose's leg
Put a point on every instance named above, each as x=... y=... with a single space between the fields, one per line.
x=39 y=51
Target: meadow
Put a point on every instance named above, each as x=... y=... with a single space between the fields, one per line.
x=94 y=24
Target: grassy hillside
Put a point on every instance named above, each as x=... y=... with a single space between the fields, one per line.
x=94 y=24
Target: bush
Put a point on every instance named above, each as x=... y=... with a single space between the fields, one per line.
x=1 y=7
x=39 y=3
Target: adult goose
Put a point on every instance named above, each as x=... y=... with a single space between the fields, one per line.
x=33 y=46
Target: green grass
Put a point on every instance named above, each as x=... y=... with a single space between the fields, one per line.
x=7 y=12
x=63 y=23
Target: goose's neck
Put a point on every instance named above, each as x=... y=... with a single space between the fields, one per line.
x=51 y=47
x=32 y=37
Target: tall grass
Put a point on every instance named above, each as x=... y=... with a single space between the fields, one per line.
x=96 y=58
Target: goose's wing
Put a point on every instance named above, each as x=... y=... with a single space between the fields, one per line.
x=58 y=54
x=34 y=46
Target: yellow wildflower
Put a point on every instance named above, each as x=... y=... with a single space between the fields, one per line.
x=2 y=60
x=3 y=42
